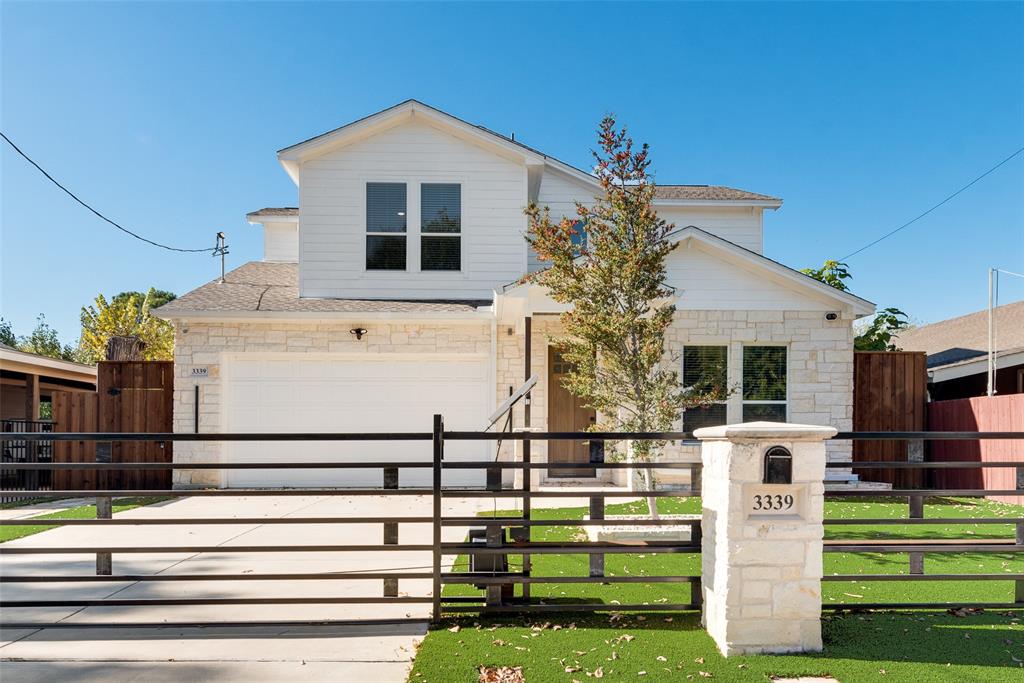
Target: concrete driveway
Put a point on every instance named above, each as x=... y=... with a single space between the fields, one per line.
x=296 y=653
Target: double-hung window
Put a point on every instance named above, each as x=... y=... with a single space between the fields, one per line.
x=386 y=238
x=764 y=383
x=440 y=226
x=705 y=370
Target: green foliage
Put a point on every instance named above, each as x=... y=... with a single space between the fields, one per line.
x=7 y=333
x=879 y=333
x=127 y=315
x=44 y=341
x=887 y=323
x=614 y=335
x=832 y=273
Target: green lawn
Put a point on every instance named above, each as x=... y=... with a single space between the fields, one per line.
x=911 y=646
x=9 y=533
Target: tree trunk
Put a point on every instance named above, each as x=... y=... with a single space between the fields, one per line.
x=125 y=348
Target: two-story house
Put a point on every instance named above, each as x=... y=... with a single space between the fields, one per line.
x=389 y=295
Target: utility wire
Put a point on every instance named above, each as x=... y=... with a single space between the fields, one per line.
x=919 y=217
x=100 y=215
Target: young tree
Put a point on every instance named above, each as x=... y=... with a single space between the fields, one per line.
x=887 y=323
x=609 y=264
x=44 y=341
x=126 y=315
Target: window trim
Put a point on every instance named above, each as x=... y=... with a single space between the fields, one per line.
x=745 y=402
x=366 y=233
x=450 y=235
x=728 y=366
x=413 y=195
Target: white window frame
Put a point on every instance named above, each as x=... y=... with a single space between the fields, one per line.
x=413 y=195
x=419 y=226
x=728 y=367
x=745 y=402
x=408 y=226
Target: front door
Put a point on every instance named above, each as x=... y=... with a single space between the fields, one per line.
x=566 y=413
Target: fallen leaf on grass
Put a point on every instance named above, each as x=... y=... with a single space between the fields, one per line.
x=454 y=629
x=501 y=674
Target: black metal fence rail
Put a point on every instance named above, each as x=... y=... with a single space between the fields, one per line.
x=917 y=500
x=498 y=537
x=495 y=584
x=22 y=452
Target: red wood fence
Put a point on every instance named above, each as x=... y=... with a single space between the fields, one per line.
x=982 y=414
x=890 y=392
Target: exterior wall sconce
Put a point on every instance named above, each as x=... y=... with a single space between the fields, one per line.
x=358 y=331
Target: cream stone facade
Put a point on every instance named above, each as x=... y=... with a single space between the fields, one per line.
x=820 y=369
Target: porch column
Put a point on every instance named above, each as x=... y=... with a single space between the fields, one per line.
x=31 y=397
x=763 y=495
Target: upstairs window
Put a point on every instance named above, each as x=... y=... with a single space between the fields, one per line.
x=440 y=226
x=705 y=369
x=386 y=226
x=764 y=383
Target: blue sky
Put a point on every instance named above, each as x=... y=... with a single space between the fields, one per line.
x=167 y=118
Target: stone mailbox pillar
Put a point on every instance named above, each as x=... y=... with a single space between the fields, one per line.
x=763 y=495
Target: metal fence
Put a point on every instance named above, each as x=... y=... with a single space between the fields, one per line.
x=21 y=451
x=917 y=500
x=490 y=546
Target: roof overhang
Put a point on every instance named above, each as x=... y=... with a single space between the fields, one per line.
x=469 y=317
x=763 y=203
x=975 y=366
x=291 y=158
x=32 y=364
x=256 y=218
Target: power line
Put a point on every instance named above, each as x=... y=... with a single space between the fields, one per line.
x=919 y=217
x=100 y=215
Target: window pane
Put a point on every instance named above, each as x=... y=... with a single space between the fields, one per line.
x=764 y=412
x=440 y=207
x=385 y=252
x=440 y=253
x=705 y=368
x=385 y=207
x=707 y=416
x=764 y=373
x=579 y=235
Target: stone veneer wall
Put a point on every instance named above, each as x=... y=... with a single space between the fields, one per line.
x=820 y=365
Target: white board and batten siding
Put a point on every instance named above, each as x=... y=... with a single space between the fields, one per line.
x=332 y=192
x=288 y=392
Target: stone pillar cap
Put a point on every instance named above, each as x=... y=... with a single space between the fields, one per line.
x=765 y=431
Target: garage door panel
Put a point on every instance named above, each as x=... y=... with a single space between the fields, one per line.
x=373 y=394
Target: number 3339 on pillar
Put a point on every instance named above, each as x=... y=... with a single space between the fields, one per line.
x=773 y=500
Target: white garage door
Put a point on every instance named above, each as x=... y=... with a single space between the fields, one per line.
x=366 y=393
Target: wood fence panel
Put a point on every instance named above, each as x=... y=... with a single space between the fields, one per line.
x=74 y=411
x=982 y=414
x=889 y=395
x=131 y=396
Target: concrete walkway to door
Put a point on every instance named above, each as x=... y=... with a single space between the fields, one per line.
x=297 y=653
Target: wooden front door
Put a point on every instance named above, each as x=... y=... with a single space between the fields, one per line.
x=566 y=413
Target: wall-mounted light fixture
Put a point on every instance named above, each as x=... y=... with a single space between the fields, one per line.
x=358 y=331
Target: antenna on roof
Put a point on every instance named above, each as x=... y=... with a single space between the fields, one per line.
x=513 y=137
x=221 y=250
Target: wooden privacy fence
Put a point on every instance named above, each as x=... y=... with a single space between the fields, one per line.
x=131 y=396
x=984 y=413
x=890 y=394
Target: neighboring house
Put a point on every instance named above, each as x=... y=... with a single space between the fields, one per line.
x=958 y=353
x=28 y=380
x=389 y=295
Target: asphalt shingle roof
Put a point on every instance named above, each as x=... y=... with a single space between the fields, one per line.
x=260 y=286
x=958 y=339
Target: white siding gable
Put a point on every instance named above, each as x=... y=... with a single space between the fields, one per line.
x=713 y=281
x=740 y=225
x=332 y=194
